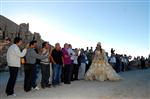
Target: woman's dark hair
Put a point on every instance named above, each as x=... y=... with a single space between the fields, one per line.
x=17 y=40
x=44 y=44
x=32 y=42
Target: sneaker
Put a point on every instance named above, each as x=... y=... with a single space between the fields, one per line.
x=14 y=95
x=36 y=88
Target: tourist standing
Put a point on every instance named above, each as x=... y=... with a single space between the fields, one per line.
x=89 y=57
x=45 y=66
x=76 y=65
x=123 y=61
x=51 y=70
x=57 y=63
x=142 y=62
x=13 y=59
x=72 y=54
x=82 y=68
x=118 y=63
x=126 y=62
x=112 y=60
x=67 y=64
x=30 y=57
x=35 y=72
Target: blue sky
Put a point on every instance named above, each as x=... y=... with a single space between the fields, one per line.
x=119 y=24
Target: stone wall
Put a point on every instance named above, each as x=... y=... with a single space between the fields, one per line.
x=10 y=30
x=37 y=37
x=9 y=27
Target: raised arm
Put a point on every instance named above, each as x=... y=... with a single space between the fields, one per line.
x=19 y=53
x=34 y=54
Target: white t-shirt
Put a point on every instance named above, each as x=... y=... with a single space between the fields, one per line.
x=112 y=59
x=71 y=53
x=75 y=59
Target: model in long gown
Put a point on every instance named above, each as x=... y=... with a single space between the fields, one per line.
x=100 y=69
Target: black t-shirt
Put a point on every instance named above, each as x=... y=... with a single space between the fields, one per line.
x=37 y=60
x=57 y=56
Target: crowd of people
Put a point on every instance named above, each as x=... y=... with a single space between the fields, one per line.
x=141 y=62
x=119 y=62
x=57 y=65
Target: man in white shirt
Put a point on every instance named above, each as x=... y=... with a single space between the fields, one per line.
x=71 y=52
x=72 y=56
x=113 y=61
x=13 y=60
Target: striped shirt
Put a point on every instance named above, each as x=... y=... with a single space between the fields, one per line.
x=45 y=52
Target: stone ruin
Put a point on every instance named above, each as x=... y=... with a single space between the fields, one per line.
x=9 y=29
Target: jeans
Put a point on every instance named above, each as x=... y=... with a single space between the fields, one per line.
x=45 y=71
x=122 y=66
x=13 y=71
x=56 y=74
x=118 y=67
x=81 y=71
x=35 y=75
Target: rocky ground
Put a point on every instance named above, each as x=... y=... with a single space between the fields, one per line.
x=135 y=85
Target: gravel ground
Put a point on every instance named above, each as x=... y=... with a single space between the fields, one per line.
x=135 y=85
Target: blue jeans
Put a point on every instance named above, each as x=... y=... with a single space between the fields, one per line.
x=118 y=67
x=56 y=74
x=35 y=75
